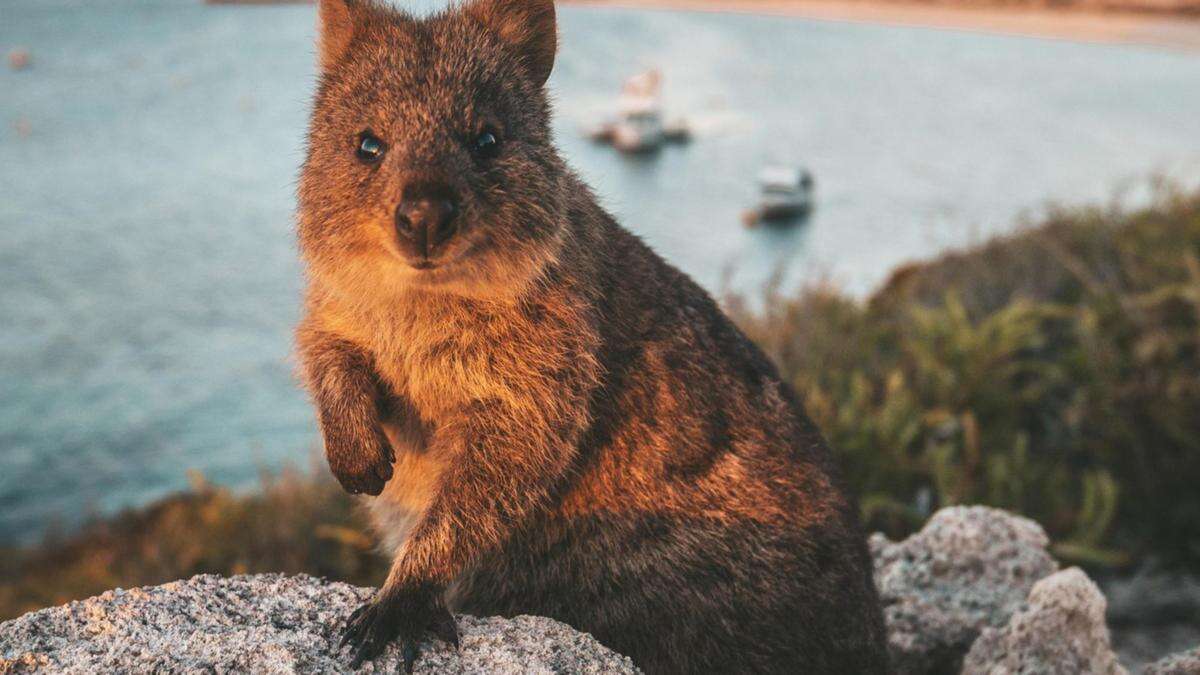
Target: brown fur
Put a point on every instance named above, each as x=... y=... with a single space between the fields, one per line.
x=555 y=421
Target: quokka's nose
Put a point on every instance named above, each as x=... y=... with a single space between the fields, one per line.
x=428 y=220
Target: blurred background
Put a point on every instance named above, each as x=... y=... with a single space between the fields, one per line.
x=968 y=232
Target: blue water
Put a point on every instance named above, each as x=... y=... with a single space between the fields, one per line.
x=148 y=276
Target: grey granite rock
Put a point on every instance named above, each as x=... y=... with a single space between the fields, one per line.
x=1059 y=631
x=1187 y=663
x=969 y=568
x=269 y=623
x=975 y=582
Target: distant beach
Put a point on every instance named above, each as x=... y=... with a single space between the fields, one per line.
x=1173 y=24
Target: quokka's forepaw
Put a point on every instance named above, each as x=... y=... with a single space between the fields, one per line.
x=368 y=480
x=406 y=618
x=361 y=465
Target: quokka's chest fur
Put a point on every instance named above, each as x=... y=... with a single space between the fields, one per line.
x=442 y=353
x=437 y=360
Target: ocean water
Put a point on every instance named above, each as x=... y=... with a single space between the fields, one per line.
x=148 y=272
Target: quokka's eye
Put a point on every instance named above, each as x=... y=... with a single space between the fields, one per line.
x=370 y=149
x=486 y=144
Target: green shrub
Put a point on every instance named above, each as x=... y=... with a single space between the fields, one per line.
x=1055 y=373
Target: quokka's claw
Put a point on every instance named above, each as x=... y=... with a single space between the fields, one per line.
x=446 y=629
x=409 y=652
x=405 y=618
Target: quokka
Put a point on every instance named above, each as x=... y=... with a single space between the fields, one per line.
x=549 y=419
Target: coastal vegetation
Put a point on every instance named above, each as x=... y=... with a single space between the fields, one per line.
x=1054 y=372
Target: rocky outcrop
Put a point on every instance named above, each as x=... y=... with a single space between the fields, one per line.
x=269 y=623
x=968 y=569
x=975 y=591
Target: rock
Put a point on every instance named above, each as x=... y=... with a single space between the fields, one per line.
x=1187 y=663
x=969 y=568
x=974 y=591
x=1151 y=613
x=269 y=623
x=1059 y=631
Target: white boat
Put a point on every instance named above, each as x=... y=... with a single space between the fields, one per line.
x=638 y=131
x=786 y=193
x=639 y=127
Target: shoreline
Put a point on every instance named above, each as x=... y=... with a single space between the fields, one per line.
x=1162 y=24
x=1146 y=28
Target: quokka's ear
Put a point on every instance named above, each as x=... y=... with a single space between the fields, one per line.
x=335 y=29
x=527 y=26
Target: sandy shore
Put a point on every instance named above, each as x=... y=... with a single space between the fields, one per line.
x=1141 y=28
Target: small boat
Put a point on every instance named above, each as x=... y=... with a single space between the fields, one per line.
x=639 y=126
x=786 y=194
x=18 y=58
x=638 y=130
